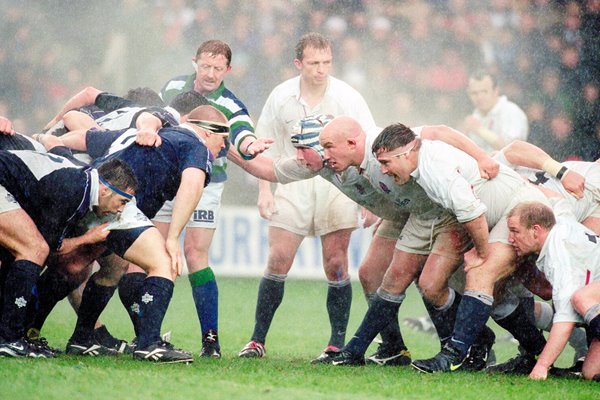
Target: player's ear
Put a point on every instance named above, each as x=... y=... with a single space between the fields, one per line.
x=104 y=190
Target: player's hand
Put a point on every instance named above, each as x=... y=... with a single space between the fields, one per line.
x=539 y=373
x=48 y=141
x=148 y=137
x=266 y=204
x=97 y=234
x=574 y=183
x=6 y=127
x=488 y=167
x=366 y=218
x=173 y=249
x=473 y=260
x=377 y=225
x=258 y=146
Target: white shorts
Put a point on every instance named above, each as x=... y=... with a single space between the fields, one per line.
x=313 y=207
x=7 y=201
x=443 y=236
x=205 y=214
x=391 y=229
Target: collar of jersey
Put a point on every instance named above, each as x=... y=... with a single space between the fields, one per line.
x=217 y=93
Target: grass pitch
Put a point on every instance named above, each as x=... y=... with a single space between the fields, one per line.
x=299 y=332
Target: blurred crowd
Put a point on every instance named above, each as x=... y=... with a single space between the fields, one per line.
x=410 y=59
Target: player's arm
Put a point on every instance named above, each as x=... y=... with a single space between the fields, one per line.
x=84 y=98
x=75 y=140
x=260 y=166
x=488 y=168
x=559 y=336
x=533 y=279
x=473 y=125
x=187 y=198
x=265 y=202
x=6 y=127
x=250 y=146
x=478 y=230
x=449 y=188
x=526 y=154
x=147 y=126
x=95 y=235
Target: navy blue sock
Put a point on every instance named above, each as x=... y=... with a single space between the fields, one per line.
x=443 y=319
x=472 y=315
x=339 y=300
x=51 y=287
x=519 y=324
x=378 y=316
x=391 y=336
x=21 y=277
x=206 y=298
x=270 y=295
x=93 y=301
x=594 y=327
x=129 y=293
x=592 y=321
x=156 y=294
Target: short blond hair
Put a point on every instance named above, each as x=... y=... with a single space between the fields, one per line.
x=533 y=213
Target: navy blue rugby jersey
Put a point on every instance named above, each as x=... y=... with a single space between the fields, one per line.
x=109 y=102
x=53 y=191
x=17 y=142
x=157 y=169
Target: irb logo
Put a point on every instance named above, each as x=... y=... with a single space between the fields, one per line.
x=204 y=216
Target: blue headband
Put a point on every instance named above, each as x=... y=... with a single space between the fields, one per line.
x=114 y=189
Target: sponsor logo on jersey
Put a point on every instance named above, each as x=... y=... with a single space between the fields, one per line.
x=402 y=203
x=360 y=188
x=384 y=187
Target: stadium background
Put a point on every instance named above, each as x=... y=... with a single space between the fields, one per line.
x=410 y=59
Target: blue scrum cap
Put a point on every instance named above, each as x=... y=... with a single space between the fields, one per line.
x=306 y=132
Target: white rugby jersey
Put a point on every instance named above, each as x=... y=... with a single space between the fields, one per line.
x=582 y=208
x=354 y=185
x=505 y=119
x=284 y=108
x=451 y=178
x=410 y=197
x=570 y=259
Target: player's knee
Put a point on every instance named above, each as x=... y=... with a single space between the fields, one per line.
x=363 y=275
x=578 y=301
x=74 y=269
x=432 y=291
x=195 y=257
x=36 y=250
x=335 y=263
x=589 y=371
x=279 y=262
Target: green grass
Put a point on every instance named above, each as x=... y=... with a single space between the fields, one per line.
x=298 y=333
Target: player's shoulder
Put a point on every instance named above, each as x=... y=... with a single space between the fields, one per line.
x=176 y=84
x=288 y=87
x=507 y=104
x=340 y=85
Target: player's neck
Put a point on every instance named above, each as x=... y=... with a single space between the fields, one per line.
x=312 y=94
